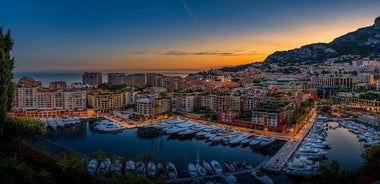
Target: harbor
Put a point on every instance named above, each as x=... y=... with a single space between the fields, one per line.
x=206 y=138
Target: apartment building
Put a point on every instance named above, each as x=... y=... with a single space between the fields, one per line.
x=74 y=99
x=46 y=98
x=106 y=101
x=116 y=78
x=92 y=78
x=25 y=98
x=144 y=106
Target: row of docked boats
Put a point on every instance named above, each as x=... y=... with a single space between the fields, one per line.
x=106 y=125
x=109 y=167
x=310 y=152
x=59 y=122
x=365 y=134
x=139 y=168
x=212 y=133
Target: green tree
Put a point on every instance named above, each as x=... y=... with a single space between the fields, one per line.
x=131 y=179
x=331 y=173
x=23 y=128
x=100 y=156
x=70 y=162
x=13 y=172
x=370 y=169
x=7 y=88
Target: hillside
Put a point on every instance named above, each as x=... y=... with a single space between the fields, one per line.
x=364 y=42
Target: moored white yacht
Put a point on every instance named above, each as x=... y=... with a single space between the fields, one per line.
x=130 y=167
x=208 y=167
x=104 y=168
x=247 y=140
x=217 y=167
x=160 y=171
x=151 y=169
x=261 y=177
x=238 y=139
x=171 y=170
x=140 y=169
x=116 y=167
x=192 y=170
x=267 y=141
x=256 y=141
x=92 y=166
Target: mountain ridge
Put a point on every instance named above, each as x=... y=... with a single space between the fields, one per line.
x=364 y=41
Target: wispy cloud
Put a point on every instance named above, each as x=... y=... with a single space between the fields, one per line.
x=139 y=52
x=197 y=53
x=189 y=12
x=208 y=53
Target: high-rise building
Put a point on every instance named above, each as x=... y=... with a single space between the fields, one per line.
x=138 y=79
x=116 y=78
x=92 y=78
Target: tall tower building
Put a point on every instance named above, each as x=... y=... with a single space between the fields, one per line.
x=92 y=78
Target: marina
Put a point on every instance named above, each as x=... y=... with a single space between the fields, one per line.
x=198 y=139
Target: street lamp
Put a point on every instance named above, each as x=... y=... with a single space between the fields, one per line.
x=291 y=132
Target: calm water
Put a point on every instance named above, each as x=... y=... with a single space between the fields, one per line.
x=345 y=148
x=128 y=145
x=76 y=76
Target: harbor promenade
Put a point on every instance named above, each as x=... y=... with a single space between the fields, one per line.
x=278 y=161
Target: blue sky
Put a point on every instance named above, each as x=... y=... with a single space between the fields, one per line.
x=171 y=34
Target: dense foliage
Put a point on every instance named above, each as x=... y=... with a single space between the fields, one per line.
x=7 y=87
x=206 y=113
x=14 y=172
x=370 y=170
x=370 y=96
x=271 y=106
x=22 y=128
x=332 y=173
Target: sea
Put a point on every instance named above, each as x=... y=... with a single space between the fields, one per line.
x=76 y=76
x=345 y=148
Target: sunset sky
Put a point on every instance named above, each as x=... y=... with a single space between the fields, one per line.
x=171 y=34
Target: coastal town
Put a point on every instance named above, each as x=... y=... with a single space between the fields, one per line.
x=253 y=107
x=263 y=99
x=190 y=92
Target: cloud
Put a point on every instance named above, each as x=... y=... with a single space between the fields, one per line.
x=139 y=52
x=189 y=12
x=209 y=53
x=197 y=53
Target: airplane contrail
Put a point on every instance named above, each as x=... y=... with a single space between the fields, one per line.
x=191 y=15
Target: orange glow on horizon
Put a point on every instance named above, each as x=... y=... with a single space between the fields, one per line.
x=214 y=52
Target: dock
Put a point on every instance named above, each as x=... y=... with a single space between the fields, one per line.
x=278 y=161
